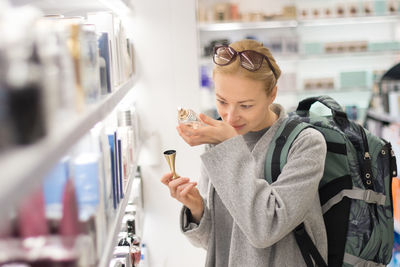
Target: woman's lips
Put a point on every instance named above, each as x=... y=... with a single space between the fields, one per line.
x=238 y=127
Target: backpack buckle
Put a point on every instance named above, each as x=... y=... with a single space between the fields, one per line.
x=367 y=196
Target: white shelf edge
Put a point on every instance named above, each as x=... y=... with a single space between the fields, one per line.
x=324 y=91
x=348 y=20
x=271 y=24
x=25 y=167
x=229 y=26
x=349 y=54
x=113 y=231
x=117 y=6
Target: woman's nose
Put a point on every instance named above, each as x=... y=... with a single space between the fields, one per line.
x=232 y=115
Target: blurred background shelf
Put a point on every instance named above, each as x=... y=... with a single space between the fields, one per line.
x=348 y=20
x=119 y=7
x=231 y=26
x=25 y=167
x=115 y=227
x=326 y=91
x=315 y=22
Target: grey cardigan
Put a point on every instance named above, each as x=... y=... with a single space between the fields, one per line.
x=264 y=215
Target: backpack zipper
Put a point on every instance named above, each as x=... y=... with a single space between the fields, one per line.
x=366 y=165
x=393 y=164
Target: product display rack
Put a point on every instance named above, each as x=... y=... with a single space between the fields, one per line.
x=39 y=158
x=26 y=167
x=272 y=24
x=348 y=20
x=323 y=91
x=310 y=48
x=115 y=227
x=119 y=7
x=231 y=26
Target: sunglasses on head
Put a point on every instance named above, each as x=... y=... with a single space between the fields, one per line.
x=249 y=59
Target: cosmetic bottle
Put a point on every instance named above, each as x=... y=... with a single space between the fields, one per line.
x=57 y=69
x=105 y=63
x=53 y=187
x=47 y=50
x=135 y=250
x=22 y=75
x=104 y=22
x=31 y=216
x=126 y=132
x=121 y=254
x=69 y=225
x=127 y=247
x=25 y=97
x=74 y=47
x=189 y=117
x=86 y=180
x=90 y=63
x=7 y=138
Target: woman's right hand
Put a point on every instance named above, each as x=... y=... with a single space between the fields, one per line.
x=213 y=132
x=185 y=192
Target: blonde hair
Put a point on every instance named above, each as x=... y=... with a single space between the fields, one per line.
x=263 y=74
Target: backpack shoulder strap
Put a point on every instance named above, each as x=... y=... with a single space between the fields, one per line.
x=279 y=148
x=275 y=160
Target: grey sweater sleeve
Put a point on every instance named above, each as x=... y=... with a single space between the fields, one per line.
x=198 y=234
x=267 y=212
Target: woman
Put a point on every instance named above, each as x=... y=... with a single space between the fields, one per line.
x=235 y=214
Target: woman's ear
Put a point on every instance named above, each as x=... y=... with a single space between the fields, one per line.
x=273 y=93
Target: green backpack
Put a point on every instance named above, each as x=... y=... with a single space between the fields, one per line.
x=355 y=190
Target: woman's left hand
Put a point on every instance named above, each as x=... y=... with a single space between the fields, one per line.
x=213 y=132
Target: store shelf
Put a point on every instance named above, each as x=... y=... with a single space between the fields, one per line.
x=119 y=7
x=348 y=20
x=272 y=24
x=387 y=53
x=325 y=91
x=24 y=168
x=115 y=228
x=231 y=26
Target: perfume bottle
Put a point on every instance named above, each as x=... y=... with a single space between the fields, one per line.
x=189 y=117
x=131 y=240
x=25 y=95
x=74 y=47
x=134 y=250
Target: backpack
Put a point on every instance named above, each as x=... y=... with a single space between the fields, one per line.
x=355 y=190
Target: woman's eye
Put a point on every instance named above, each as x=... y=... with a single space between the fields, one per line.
x=221 y=102
x=246 y=106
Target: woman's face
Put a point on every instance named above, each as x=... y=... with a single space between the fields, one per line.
x=243 y=103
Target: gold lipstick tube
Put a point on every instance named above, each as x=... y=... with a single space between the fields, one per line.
x=170 y=157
